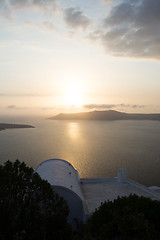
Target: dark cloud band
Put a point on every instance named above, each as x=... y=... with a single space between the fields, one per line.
x=109 y=106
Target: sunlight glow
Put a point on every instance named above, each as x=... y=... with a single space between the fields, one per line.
x=73 y=94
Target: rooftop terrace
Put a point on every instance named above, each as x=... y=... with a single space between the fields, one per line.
x=87 y=194
x=98 y=190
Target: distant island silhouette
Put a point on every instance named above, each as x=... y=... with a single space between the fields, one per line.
x=108 y=115
x=4 y=126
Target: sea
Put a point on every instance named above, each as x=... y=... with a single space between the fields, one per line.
x=94 y=148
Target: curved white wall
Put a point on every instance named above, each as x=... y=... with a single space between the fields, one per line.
x=65 y=181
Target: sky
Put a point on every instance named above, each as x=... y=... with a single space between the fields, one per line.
x=79 y=55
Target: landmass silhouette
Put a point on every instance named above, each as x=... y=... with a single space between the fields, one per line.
x=106 y=115
x=4 y=126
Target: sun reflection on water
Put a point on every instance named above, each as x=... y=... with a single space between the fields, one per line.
x=73 y=130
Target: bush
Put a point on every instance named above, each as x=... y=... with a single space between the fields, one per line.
x=29 y=209
x=126 y=218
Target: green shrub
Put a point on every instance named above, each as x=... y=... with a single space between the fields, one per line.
x=29 y=209
x=126 y=218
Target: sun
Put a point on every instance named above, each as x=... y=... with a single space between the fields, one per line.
x=73 y=90
x=73 y=95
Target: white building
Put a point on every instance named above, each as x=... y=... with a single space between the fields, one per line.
x=66 y=182
x=84 y=195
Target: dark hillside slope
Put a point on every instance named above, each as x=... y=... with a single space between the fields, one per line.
x=105 y=115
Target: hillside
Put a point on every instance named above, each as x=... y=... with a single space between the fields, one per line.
x=105 y=115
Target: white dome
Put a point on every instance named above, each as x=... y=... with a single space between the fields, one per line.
x=65 y=181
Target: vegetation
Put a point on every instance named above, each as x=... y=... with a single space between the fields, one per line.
x=29 y=209
x=126 y=218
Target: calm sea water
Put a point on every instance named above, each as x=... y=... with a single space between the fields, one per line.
x=94 y=148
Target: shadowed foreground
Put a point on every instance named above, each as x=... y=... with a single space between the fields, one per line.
x=31 y=210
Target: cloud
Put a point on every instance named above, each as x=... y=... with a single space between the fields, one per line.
x=108 y=1
x=11 y=106
x=99 y=106
x=26 y=95
x=8 y=8
x=32 y=108
x=4 y=9
x=130 y=105
x=48 y=108
x=75 y=18
x=95 y=35
x=132 y=29
x=109 y=106
x=49 y=25
x=15 y=108
x=31 y=3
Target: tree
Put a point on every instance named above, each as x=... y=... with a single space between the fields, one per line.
x=29 y=208
x=133 y=217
